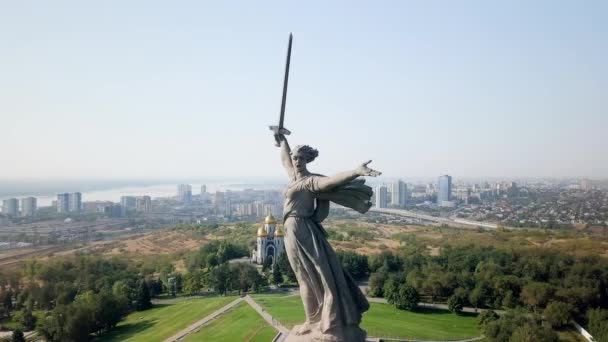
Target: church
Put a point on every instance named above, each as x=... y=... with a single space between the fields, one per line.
x=269 y=242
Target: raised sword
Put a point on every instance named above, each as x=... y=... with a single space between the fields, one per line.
x=280 y=129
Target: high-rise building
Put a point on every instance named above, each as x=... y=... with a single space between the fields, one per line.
x=63 y=203
x=444 y=190
x=219 y=201
x=203 y=189
x=184 y=193
x=586 y=185
x=28 y=206
x=381 y=196
x=143 y=204
x=10 y=207
x=398 y=194
x=75 y=202
x=127 y=203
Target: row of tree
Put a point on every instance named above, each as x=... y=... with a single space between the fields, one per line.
x=553 y=285
x=80 y=296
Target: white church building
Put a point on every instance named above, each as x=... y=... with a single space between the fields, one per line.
x=269 y=242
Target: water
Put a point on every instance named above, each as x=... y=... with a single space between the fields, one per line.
x=46 y=192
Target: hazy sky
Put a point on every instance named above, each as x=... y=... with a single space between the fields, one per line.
x=146 y=89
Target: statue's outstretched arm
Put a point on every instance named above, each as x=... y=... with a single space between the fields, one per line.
x=328 y=183
x=286 y=155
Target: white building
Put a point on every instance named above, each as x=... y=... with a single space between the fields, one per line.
x=398 y=194
x=75 y=202
x=63 y=203
x=381 y=195
x=10 y=207
x=184 y=193
x=270 y=242
x=143 y=204
x=28 y=206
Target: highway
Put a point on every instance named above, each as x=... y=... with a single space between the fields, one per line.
x=424 y=217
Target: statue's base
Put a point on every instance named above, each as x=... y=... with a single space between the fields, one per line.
x=346 y=334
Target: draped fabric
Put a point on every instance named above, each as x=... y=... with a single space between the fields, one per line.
x=331 y=297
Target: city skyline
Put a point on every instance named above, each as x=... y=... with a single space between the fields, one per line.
x=473 y=89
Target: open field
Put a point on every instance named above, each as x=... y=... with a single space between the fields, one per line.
x=351 y=235
x=384 y=320
x=241 y=323
x=13 y=258
x=164 y=320
x=372 y=238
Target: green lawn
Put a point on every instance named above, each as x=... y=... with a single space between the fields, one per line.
x=241 y=323
x=286 y=309
x=164 y=320
x=384 y=320
x=12 y=324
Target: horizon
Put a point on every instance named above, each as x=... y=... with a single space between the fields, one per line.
x=149 y=91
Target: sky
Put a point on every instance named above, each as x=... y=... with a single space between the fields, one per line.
x=186 y=89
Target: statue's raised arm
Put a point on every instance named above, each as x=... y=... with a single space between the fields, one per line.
x=281 y=140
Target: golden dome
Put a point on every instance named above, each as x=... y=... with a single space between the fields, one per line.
x=262 y=232
x=279 y=232
x=270 y=220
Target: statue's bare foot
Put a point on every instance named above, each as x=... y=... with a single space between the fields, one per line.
x=304 y=329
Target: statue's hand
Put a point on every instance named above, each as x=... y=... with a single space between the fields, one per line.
x=363 y=170
x=278 y=137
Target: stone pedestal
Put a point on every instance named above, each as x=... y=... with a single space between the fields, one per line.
x=346 y=334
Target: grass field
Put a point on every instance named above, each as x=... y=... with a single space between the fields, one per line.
x=241 y=323
x=384 y=320
x=164 y=320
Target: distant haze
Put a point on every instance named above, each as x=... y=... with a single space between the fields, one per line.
x=146 y=90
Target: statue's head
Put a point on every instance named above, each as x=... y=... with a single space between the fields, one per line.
x=302 y=155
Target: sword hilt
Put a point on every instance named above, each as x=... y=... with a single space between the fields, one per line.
x=278 y=131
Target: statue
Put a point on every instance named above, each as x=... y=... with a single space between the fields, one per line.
x=333 y=302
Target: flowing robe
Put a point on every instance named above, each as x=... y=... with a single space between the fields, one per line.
x=331 y=297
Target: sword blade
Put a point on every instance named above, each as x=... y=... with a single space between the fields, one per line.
x=285 y=81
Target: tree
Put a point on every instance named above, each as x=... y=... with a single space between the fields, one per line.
x=403 y=296
x=124 y=293
x=535 y=294
x=458 y=300
x=598 y=324
x=6 y=300
x=107 y=311
x=193 y=282
x=155 y=286
x=376 y=284
x=220 y=279
x=558 y=314
x=532 y=332
x=267 y=264
x=244 y=277
x=355 y=264
x=285 y=267
x=18 y=336
x=26 y=318
x=142 y=297
x=476 y=297
x=277 y=276
x=486 y=317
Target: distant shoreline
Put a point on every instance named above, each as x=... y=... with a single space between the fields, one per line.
x=96 y=190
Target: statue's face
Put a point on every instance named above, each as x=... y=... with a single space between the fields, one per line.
x=298 y=161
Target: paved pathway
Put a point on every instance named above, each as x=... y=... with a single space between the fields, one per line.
x=203 y=321
x=283 y=331
x=266 y=316
x=434 y=306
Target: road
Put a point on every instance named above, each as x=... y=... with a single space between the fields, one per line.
x=446 y=220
